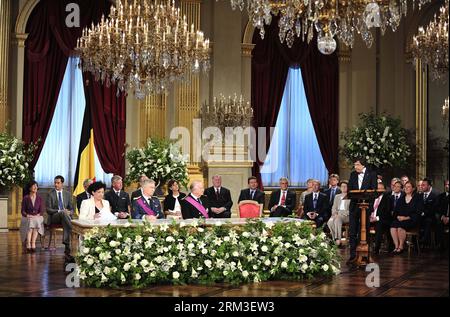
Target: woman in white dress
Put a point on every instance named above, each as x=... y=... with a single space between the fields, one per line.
x=96 y=208
x=339 y=213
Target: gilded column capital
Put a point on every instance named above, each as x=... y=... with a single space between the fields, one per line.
x=19 y=39
x=246 y=49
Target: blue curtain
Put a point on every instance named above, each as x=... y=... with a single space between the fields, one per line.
x=294 y=151
x=59 y=154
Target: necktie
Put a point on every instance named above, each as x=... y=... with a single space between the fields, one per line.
x=118 y=193
x=283 y=199
x=425 y=196
x=217 y=193
x=376 y=204
x=88 y=196
x=395 y=200
x=333 y=193
x=199 y=201
x=60 y=202
x=252 y=193
x=315 y=201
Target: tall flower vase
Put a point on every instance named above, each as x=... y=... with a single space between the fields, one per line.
x=3 y=211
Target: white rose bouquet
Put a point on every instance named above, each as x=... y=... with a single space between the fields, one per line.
x=160 y=160
x=379 y=139
x=15 y=159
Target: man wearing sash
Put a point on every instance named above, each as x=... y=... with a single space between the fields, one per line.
x=195 y=205
x=147 y=207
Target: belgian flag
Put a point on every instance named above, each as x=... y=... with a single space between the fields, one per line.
x=86 y=153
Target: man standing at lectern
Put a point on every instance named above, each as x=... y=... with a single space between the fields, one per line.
x=362 y=178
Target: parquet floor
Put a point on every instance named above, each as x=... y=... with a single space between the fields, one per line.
x=42 y=274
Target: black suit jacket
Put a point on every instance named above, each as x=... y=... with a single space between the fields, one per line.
x=321 y=208
x=328 y=193
x=443 y=205
x=137 y=193
x=290 y=199
x=118 y=204
x=431 y=204
x=189 y=211
x=80 y=198
x=385 y=209
x=224 y=200
x=259 y=195
x=369 y=182
x=169 y=201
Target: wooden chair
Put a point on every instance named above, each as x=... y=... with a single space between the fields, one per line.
x=52 y=228
x=345 y=232
x=410 y=235
x=250 y=209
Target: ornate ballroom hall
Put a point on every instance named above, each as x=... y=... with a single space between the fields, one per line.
x=224 y=148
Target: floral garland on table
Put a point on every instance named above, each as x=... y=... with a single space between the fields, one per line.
x=379 y=139
x=15 y=159
x=160 y=160
x=179 y=254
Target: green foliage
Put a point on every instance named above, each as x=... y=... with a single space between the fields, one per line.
x=15 y=159
x=160 y=160
x=194 y=253
x=380 y=139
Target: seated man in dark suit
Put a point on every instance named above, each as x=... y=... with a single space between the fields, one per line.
x=282 y=201
x=195 y=205
x=381 y=215
x=84 y=195
x=430 y=200
x=315 y=207
x=60 y=210
x=442 y=217
x=252 y=192
x=119 y=200
x=219 y=199
x=332 y=190
x=138 y=192
x=147 y=207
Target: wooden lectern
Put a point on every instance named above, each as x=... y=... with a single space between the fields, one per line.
x=363 y=197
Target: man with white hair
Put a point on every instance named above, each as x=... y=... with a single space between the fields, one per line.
x=219 y=198
x=138 y=192
x=195 y=205
x=282 y=201
x=119 y=200
x=84 y=195
x=147 y=207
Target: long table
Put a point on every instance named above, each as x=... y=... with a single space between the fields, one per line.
x=80 y=227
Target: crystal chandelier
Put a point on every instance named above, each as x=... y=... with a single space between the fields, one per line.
x=143 y=46
x=329 y=18
x=431 y=44
x=227 y=112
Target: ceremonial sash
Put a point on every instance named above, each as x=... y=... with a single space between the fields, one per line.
x=197 y=205
x=146 y=208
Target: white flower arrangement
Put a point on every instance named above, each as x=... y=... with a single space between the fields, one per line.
x=374 y=140
x=112 y=257
x=160 y=160
x=15 y=159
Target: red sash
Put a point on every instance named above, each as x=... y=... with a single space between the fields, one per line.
x=197 y=205
x=146 y=208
